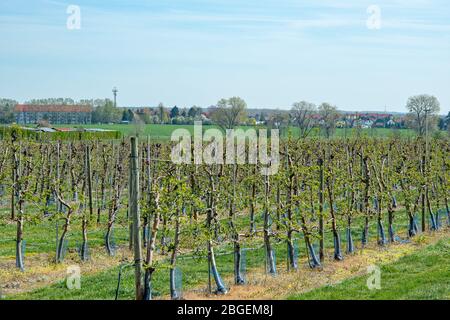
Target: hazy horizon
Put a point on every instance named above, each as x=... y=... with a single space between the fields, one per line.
x=194 y=52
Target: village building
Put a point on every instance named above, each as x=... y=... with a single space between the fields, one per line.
x=54 y=114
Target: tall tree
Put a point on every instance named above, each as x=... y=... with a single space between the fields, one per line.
x=302 y=115
x=162 y=113
x=329 y=115
x=423 y=110
x=175 y=112
x=229 y=113
x=107 y=113
x=194 y=112
x=278 y=120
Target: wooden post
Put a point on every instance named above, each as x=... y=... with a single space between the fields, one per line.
x=134 y=212
x=129 y=215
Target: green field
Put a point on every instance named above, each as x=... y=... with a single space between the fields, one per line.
x=164 y=131
x=423 y=275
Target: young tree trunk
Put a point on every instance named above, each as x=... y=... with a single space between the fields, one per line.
x=443 y=184
x=314 y=261
x=17 y=192
x=321 y=213
x=89 y=181
x=59 y=205
x=145 y=231
x=292 y=259
x=148 y=191
x=211 y=224
x=221 y=289
x=14 y=178
x=352 y=200
x=112 y=218
x=366 y=181
x=253 y=203
x=60 y=251
x=413 y=229
x=117 y=186
x=151 y=246
x=423 y=212
x=173 y=260
x=365 y=233
x=84 y=221
x=101 y=202
x=109 y=248
x=381 y=233
x=19 y=239
x=270 y=259
x=433 y=222
x=447 y=208
x=391 y=226
x=336 y=238
x=238 y=278
x=291 y=252
x=350 y=245
x=101 y=205
x=163 y=236
x=423 y=170
x=84 y=245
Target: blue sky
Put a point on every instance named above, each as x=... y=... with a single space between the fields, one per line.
x=270 y=52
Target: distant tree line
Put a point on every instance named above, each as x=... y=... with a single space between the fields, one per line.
x=106 y=113
x=423 y=115
x=7 y=111
x=163 y=115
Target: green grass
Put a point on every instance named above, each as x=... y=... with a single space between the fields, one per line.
x=103 y=284
x=421 y=275
x=164 y=131
x=41 y=237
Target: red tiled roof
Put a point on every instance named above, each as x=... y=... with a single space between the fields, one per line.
x=51 y=108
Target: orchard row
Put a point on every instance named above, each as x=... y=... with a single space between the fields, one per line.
x=322 y=187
